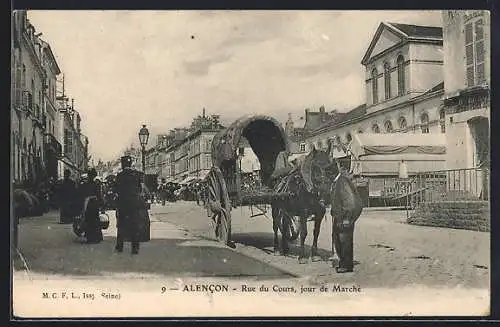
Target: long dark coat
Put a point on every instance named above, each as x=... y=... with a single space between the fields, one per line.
x=68 y=198
x=131 y=213
x=91 y=226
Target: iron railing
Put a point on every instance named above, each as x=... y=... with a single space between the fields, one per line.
x=470 y=184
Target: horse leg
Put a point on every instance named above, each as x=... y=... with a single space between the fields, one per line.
x=285 y=224
x=318 y=218
x=276 y=221
x=303 y=235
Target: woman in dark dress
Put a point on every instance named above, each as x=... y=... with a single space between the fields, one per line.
x=90 y=195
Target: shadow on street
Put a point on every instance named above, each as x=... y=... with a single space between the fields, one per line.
x=54 y=249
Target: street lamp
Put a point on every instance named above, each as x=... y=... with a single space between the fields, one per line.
x=143 y=139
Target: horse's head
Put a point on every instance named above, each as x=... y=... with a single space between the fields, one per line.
x=323 y=172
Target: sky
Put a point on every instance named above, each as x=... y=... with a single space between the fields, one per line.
x=161 y=68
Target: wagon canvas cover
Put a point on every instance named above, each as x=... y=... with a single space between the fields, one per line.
x=265 y=136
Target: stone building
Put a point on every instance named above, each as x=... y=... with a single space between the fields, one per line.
x=74 y=143
x=41 y=119
x=403 y=87
x=467 y=70
x=28 y=86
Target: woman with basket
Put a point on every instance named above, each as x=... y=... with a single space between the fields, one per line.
x=93 y=218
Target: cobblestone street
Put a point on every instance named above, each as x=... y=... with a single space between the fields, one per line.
x=388 y=251
x=450 y=275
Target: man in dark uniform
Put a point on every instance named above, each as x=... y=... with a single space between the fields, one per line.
x=345 y=210
x=131 y=213
x=68 y=199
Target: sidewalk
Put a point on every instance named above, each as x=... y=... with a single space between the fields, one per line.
x=51 y=250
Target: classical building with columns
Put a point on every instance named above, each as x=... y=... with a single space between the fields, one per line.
x=403 y=87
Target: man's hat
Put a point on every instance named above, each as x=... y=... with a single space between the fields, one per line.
x=126 y=161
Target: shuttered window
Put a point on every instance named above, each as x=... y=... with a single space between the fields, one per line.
x=474 y=52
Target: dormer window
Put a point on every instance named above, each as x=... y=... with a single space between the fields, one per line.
x=375 y=129
x=401 y=75
x=387 y=80
x=374 y=86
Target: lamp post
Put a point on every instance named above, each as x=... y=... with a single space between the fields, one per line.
x=143 y=139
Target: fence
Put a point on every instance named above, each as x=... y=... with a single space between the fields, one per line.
x=471 y=184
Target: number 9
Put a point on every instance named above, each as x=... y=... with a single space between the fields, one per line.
x=163 y=289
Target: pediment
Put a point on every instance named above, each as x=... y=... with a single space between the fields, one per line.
x=385 y=38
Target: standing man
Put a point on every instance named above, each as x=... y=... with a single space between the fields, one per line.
x=131 y=213
x=345 y=210
x=162 y=191
x=67 y=198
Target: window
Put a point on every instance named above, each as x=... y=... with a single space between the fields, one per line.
x=474 y=52
x=401 y=75
x=402 y=123
x=442 y=121
x=302 y=147
x=375 y=128
x=374 y=86
x=388 y=126
x=387 y=80
x=348 y=137
x=424 y=123
x=319 y=145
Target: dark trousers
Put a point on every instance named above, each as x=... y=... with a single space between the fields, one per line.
x=343 y=244
x=120 y=241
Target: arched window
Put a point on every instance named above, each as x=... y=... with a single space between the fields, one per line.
x=348 y=137
x=388 y=126
x=387 y=80
x=401 y=75
x=375 y=128
x=402 y=123
x=424 y=123
x=442 y=121
x=374 y=86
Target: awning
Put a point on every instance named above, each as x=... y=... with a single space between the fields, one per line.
x=203 y=174
x=187 y=180
x=382 y=154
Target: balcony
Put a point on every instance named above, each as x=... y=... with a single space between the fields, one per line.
x=53 y=145
x=477 y=97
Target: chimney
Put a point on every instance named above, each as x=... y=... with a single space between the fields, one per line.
x=203 y=112
x=322 y=109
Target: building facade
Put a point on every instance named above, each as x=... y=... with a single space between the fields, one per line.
x=74 y=143
x=403 y=87
x=40 y=118
x=467 y=70
x=28 y=86
x=53 y=147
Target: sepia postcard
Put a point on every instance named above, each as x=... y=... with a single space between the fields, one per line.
x=248 y=163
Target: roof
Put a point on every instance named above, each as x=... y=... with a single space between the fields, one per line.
x=437 y=87
x=419 y=31
x=357 y=112
x=404 y=32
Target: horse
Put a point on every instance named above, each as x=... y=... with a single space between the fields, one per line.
x=310 y=183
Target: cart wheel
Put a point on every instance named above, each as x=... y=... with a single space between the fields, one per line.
x=220 y=204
